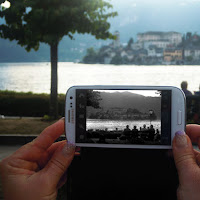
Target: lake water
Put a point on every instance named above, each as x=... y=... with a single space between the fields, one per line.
x=35 y=77
x=120 y=124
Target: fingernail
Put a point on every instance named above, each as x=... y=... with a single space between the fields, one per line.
x=68 y=149
x=63 y=118
x=181 y=139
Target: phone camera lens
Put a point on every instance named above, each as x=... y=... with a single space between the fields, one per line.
x=71 y=97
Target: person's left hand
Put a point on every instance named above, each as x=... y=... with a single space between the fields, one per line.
x=37 y=169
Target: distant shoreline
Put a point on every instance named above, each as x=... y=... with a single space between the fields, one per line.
x=48 y=62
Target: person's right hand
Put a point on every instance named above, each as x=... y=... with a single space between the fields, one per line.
x=187 y=161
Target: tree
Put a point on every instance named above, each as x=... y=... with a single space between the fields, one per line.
x=32 y=22
x=93 y=99
x=130 y=42
x=188 y=36
x=117 y=59
x=91 y=56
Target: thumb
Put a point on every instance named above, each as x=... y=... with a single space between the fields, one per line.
x=184 y=157
x=59 y=163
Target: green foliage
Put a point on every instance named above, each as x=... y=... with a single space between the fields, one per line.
x=189 y=58
x=91 y=56
x=34 y=21
x=117 y=60
x=47 y=118
x=28 y=104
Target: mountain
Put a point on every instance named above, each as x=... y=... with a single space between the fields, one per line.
x=134 y=16
x=130 y=100
x=68 y=50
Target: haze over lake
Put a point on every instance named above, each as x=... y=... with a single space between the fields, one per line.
x=35 y=77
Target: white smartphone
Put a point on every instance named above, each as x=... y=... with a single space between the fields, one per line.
x=124 y=116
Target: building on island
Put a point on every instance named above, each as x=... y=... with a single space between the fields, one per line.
x=171 y=37
x=116 y=42
x=192 y=53
x=154 y=51
x=173 y=54
x=152 y=48
x=159 y=43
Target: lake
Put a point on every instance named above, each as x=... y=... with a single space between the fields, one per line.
x=35 y=77
x=111 y=125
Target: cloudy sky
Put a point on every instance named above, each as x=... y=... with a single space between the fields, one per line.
x=155 y=15
x=135 y=16
x=147 y=93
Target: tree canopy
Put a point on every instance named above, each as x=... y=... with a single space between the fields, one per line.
x=34 y=21
x=93 y=99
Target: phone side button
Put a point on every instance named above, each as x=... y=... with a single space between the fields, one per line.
x=68 y=116
x=179 y=117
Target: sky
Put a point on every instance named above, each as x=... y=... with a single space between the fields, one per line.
x=136 y=16
x=135 y=3
x=153 y=15
x=146 y=93
x=6 y=4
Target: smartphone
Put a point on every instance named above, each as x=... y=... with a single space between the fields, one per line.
x=144 y=117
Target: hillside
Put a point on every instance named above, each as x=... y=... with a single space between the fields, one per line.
x=130 y=100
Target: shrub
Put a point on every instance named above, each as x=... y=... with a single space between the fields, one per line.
x=27 y=104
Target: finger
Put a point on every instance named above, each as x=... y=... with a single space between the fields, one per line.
x=54 y=146
x=49 y=135
x=62 y=181
x=59 y=163
x=50 y=151
x=78 y=151
x=184 y=157
x=37 y=149
x=197 y=156
x=15 y=164
x=193 y=131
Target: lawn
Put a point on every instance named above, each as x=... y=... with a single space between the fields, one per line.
x=23 y=126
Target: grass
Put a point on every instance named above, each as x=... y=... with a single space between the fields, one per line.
x=23 y=126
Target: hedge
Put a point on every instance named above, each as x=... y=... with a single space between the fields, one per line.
x=28 y=104
x=37 y=105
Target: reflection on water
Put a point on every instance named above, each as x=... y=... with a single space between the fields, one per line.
x=35 y=77
x=119 y=124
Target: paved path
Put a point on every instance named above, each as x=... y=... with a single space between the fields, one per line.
x=7 y=150
x=4 y=152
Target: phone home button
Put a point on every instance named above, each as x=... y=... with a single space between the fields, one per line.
x=179 y=117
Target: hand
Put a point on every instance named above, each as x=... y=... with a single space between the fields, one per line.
x=187 y=161
x=37 y=169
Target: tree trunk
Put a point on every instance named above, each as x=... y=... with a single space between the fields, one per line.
x=54 y=82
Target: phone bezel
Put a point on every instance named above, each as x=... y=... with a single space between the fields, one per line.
x=177 y=102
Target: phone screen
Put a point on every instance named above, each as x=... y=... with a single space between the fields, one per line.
x=124 y=117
